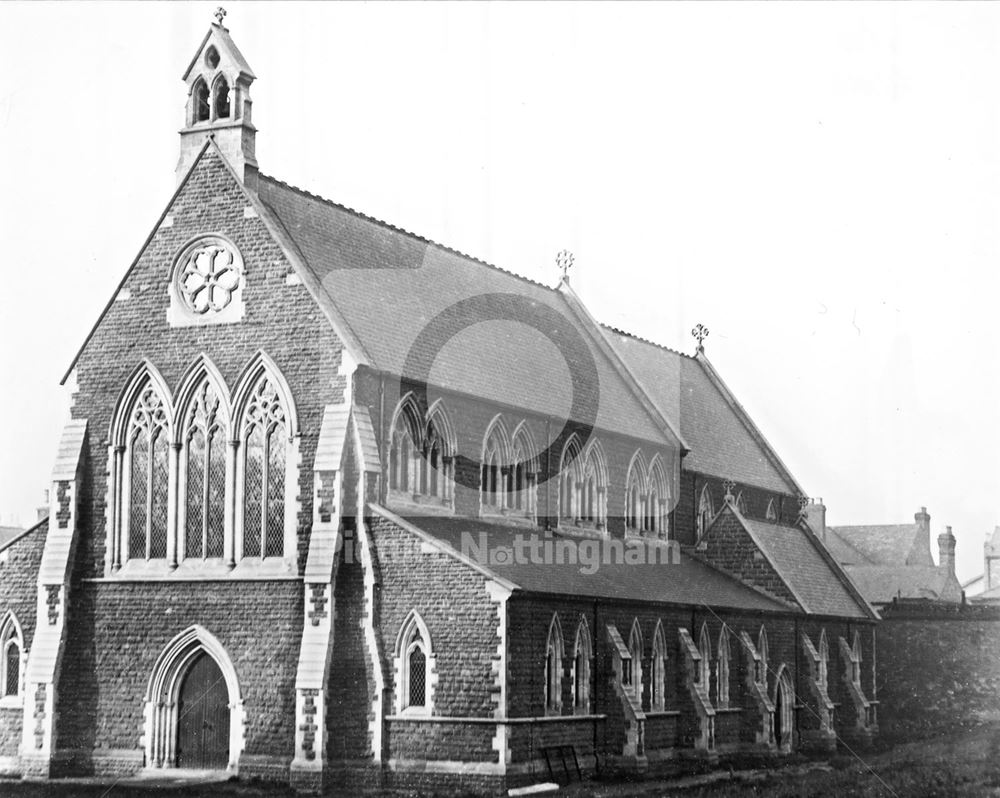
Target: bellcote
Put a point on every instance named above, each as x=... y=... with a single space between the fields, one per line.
x=218 y=105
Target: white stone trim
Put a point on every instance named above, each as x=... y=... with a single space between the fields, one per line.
x=501 y=744
x=376 y=727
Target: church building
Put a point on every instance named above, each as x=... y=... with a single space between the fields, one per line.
x=339 y=505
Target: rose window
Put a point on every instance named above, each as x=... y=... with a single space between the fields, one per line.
x=208 y=278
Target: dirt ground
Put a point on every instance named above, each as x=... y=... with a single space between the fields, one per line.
x=952 y=766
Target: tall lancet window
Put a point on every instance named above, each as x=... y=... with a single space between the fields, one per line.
x=264 y=443
x=205 y=463
x=148 y=472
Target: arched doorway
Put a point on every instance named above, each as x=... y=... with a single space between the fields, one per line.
x=784 y=710
x=194 y=708
x=203 y=717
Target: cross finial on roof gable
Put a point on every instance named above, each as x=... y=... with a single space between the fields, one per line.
x=220 y=14
x=700 y=333
x=564 y=260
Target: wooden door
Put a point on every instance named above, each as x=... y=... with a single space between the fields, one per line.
x=203 y=717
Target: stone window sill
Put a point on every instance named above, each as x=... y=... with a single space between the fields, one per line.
x=11 y=702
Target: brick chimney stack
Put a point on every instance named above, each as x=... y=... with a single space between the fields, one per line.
x=946 y=550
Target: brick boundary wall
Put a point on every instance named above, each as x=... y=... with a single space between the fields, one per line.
x=938 y=667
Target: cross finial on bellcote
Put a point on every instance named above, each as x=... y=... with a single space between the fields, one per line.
x=700 y=333
x=220 y=14
x=564 y=260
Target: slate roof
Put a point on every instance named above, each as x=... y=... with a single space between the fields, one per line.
x=886 y=544
x=366 y=267
x=882 y=583
x=721 y=437
x=688 y=582
x=796 y=556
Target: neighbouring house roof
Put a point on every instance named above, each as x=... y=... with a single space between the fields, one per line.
x=687 y=582
x=8 y=533
x=795 y=554
x=724 y=441
x=885 y=544
x=882 y=583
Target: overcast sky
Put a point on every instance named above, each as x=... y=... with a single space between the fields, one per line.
x=817 y=184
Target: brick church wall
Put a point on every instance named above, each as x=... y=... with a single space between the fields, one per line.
x=117 y=629
x=19 y=594
x=938 y=667
x=451 y=599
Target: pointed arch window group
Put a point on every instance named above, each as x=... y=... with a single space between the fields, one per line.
x=203 y=478
x=583 y=484
x=509 y=470
x=422 y=453
x=647 y=498
x=210 y=102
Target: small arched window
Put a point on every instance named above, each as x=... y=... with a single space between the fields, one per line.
x=437 y=469
x=582 y=655
x=404 y=451
x=635 y=651
x=658 y=522
x=202 y=102
x=570 y=481
x=772 y=513
x=856 y=660
x=636 y=510
x=496 y=476
x=221 y=98
x=11 y=657
x=658 y=683
x=414 y=667
x=705 y=512
x=264 y=441
x=722 y=670
x=524 y=466
x=592 y=492
x=554 y=668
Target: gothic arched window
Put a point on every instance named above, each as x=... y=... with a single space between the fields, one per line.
x=582 y=654
x=204 y=465
x=221 y=98
x=405 y=445
x=635 y=650
x=437 y=469
x=147 y=446
x=658 y=682
x=524 y=469
x=705 y=512
x=722 y=670
x=635 y=494
x=594 y=488
x=264 y=438
x=659 y=500
x=496 y=477
x=705 y=647
x=202 y=101
x=554 y=668
x=415 y=668
x=11 y=657
x=570 y=481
